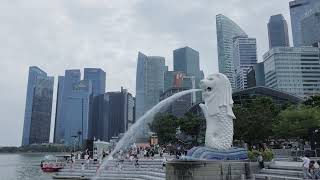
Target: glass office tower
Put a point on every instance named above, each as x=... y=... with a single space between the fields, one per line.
x=149 y=83
x=226 y=31
x=278 y=32
x=37 y=118
x=298 y=10
x=244 y=57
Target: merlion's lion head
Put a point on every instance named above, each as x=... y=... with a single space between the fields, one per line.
x=217 y=92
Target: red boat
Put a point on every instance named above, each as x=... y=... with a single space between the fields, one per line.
x=53 y=163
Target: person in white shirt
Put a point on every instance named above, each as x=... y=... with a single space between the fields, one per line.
x=305 y=167
x=82 y=169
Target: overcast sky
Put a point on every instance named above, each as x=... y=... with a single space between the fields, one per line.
x=62 y=34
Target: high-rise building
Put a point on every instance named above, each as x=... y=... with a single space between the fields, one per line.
x=58 y=126
x=244 y=57
x=298 y=10
x=149 y=83
x=255 y=75
x=186 y=60
x=37 y=117
x=176 y=79
x=226 y=31
x=114 y=114
x=181 y=106
x=293 y=70
x=310 y=26
x=72 y=118
x=278 y=32
x=98 y=80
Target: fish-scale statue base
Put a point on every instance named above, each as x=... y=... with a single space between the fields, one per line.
x=204 y=153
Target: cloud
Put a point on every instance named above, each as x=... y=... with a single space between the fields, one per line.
x=58 y=35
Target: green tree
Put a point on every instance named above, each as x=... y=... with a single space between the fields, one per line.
x=295 y=122
x=254 y=120
x=313 y=101
x=194 y=126
x=165 y=127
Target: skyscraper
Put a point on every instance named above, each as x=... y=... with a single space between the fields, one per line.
x=98 y=80
x=278 y=31
x=298 y=10
x=58 y=126
x=244 y=57
x=114 y=115
x=37 y=117
x=72 y=120
x=149 y=82
x=226 y=31
x=175 y=79
x=293 y=70
x=186 y=60
x=255 y=75
x=310 y=26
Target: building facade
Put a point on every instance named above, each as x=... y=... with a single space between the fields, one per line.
x=255 y=75
x=37 y=117
x=244 y=57
x=114 y=115
x=293 y=70
x=226 y=31
x=73 y=110
x=186 y=60
x=175 y=79
x=278 y=32
x=298 y=10
x=98 y=80
x=181 y=106
x=149 y=83
x=310 y=26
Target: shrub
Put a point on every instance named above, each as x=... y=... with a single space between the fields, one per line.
x=266 y=154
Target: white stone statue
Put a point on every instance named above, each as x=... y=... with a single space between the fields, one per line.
x=217 y=95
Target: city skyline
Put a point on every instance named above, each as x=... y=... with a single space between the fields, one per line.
x=77 y=42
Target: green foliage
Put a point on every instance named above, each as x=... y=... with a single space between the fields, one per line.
x=295 y=122
x=165 y=127
x=255 y=120
x=266 y=154
x=313 y=101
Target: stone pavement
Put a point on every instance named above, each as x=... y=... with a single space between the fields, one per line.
x=281 y=170
x=147 y=169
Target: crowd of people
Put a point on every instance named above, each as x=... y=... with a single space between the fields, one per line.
x=310 y=168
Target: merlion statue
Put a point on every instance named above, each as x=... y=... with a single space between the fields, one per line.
x=217 y=109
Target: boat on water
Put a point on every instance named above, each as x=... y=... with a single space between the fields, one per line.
x=53 y=163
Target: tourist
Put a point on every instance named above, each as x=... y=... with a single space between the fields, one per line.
x=317 y=169
x=152 y=154
x=312 y=170
x=136 y=162
x=73 y=160
x=95 y=158
x=82 y=169
x=164 y=162
x=305 y=166
x=260 y=160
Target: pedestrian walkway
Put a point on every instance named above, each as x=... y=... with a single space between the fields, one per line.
x=147 y=169
x=281 y=170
